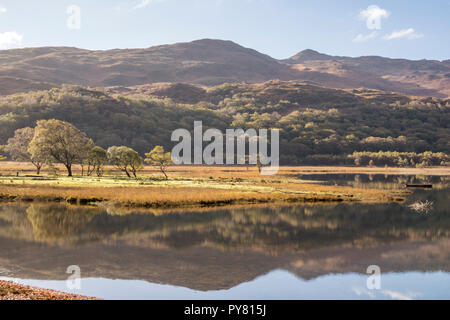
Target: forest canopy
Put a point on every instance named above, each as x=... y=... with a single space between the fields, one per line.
x=318 y=125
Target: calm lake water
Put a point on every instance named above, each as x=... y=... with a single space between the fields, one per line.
x=276 y=252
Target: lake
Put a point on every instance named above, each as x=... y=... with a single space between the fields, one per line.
x=307 y=251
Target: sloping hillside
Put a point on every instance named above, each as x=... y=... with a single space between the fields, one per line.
x=318 y=125
x=213 y=62
x=203 y=61
x=421 y=77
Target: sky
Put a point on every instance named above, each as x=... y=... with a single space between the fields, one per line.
x=280 y=28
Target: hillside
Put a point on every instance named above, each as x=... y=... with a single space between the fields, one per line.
x=229 y=246
x=318 y=125
x=214 y=62
x=422 y=77
x=203 y=61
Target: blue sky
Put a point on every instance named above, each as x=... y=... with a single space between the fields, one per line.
x=280 y=28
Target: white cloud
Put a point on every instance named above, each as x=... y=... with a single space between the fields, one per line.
x=395 y=295
x=363 y=291
x=145 y=3
x=404 y=33
x=2 y=10
x=10 y=40
x=400 y=296
x=373 y=15
x=364 y=37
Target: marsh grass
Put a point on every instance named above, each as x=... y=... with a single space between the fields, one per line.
x=182 y=193
x=187 y=186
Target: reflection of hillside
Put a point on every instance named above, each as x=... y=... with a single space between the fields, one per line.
x=205 y=268
x=268 y=229
x=221 y=248
x=43 y=223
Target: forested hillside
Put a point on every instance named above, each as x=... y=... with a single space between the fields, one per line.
x=318 y=125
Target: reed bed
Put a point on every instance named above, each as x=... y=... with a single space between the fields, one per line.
x=181 y=193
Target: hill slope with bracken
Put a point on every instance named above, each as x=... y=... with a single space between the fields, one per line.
x=204 y=61
x=213 y=62
x=413 y=77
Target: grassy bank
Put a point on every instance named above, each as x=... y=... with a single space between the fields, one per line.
x=187 y=186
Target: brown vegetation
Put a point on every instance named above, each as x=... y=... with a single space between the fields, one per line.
x=212 y=62
x=14 y=291
x=187 y=186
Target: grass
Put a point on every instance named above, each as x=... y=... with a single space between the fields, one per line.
x=187 y=186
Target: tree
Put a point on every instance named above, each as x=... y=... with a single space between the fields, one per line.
x=125 y=159
x=97 y=158
x=18 y=146
x=158 y=157
x=61 y=142
x=2 y=157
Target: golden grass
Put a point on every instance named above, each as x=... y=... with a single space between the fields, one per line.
x=187 y=186
x=10 y=169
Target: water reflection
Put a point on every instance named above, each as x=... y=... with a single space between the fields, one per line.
x=378 y=181
x=222 y=248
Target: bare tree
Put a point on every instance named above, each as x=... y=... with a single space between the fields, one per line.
x=18 y=146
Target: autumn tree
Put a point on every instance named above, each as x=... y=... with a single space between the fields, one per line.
x=18 y=146
x=96 y=160
x=125 y=159
x=158 y=157
x=60 y=142
x=2 y=157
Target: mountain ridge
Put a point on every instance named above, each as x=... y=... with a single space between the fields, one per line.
x=213 y=62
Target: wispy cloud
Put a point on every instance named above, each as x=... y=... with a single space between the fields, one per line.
x=400 y=296
x=10 y=40
x=144 y=3
x=395 y=295
x=373 y=15
x=404 y=33
x=363 y=291
x=365 y=37
x=2 y=10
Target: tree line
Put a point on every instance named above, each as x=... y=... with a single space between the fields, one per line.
x=317 y=125
x=55 y=141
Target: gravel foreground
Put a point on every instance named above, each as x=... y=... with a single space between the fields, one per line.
x=13 y=291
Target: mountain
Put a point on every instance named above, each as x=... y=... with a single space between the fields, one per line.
x=10 y=85
x=213 y=62
x=413 y=77
x=204 y=61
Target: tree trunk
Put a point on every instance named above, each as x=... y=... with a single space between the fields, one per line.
x=38 y=170
x=162 y=170
x=128 y=174
x=69 y=170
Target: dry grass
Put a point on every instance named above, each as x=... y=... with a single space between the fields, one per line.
x=10 y=169
x=187 y=186
x=183 y=190
x=187 y=196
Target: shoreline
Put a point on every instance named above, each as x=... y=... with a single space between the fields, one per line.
x=198 y=186
x=183 y=194
x=14 y=291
